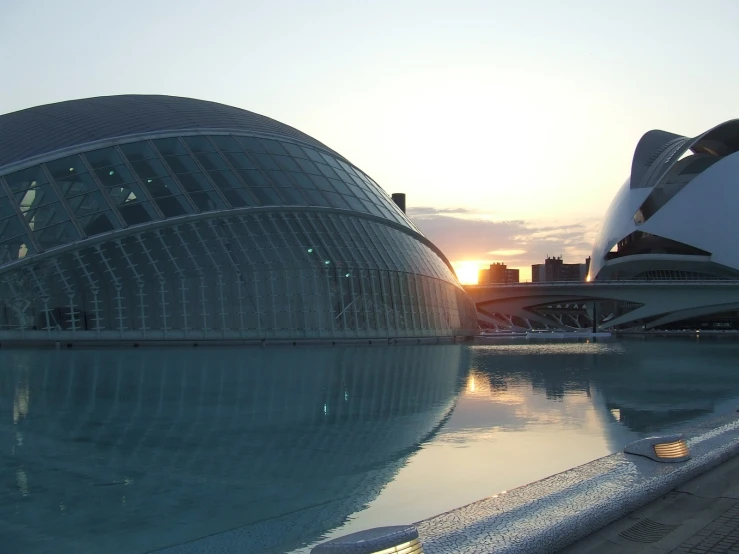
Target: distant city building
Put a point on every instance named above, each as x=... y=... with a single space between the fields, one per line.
x=554 y=269
x=497 y=273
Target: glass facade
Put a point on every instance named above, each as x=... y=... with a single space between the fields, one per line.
x=140 y=240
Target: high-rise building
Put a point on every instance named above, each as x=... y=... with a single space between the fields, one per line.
x=554 y=269
x=497 y=273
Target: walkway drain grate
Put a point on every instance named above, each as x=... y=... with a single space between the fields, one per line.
x=646 y=530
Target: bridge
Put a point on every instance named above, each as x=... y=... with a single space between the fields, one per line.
x=608 y=304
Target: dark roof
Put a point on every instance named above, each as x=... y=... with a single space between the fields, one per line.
x=44 y=129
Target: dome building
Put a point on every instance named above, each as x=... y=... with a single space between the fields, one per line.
x=673 y=218
x=156 y=218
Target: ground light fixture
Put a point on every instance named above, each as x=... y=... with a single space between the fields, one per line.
x=668 y=448
x=399 y=539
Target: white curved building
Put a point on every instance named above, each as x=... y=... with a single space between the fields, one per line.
x=674 y=217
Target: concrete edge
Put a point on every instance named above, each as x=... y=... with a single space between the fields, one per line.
x=550 y=514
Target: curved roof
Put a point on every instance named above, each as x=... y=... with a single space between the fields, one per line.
x=45 y=129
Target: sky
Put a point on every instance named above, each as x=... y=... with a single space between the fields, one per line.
x=509 y=125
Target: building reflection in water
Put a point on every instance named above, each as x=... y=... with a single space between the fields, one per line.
x=136 y=450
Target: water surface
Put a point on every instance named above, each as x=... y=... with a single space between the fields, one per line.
x=273 y=450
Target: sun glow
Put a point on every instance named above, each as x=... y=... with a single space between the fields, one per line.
x=466 y=272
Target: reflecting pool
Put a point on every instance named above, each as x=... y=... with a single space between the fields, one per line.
x=273 y=450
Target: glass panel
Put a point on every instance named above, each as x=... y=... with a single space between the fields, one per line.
x=211 y=160
x=28 y=178
x=302 y=180
x=286 y=163
x=162 y=186
x=98 y=223
x=169 y=146
x=313 y=155
x=36 y=196
x=239 y=160
x=371 y=208
x=199 y=144
x=103 y=158
x=65 y=167
x=279 y=179
x=239 y=198
x=264 y=161
x=315 y=198
x=225 y=143
x=149 y=168
x=87 y=204
x=294 y=150
x=331 y=161
x=308 y=166
x=267 y=197
x=15 y=249
x=253 y=178
x=181 y=164
x=250 y=143
x=172 y=206
x=51 y=214
x=340 y=187
x=225 y=179
x=355 y=204
x=76 y=184
x=292 y=197
x=137 y=151
x=322 y=183
x=6 y=208
x=272 y=146
x=56 y=235
x=11 y=227
x=138 y=213
x=326 y=170
x=112 y=176
x=336 y=200
x=128 y=194
x=207 y=201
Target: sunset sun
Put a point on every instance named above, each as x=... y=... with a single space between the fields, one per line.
x=466 y=272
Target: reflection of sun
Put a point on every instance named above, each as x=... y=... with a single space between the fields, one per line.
x=466 y=272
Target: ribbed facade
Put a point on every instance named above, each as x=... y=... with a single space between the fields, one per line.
x=183 y=230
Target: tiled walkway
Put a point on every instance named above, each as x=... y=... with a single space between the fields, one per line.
x=720 y=536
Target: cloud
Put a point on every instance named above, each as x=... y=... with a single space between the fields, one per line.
x=425 y=211
x=518 y=243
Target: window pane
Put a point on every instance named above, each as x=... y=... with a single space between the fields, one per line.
x=103 y=158
x=169 y=146
x=331 y=161
x=137 y=151
x=340 y=187
x=28 y=178
x=207 y=201
x=294 y=150
x=11 y=227
x=322 y=183
x=181 y=164
x=250 y=144
x=302 y=181
x=87 y=204
x=56 y=235
x=6 y=207
x=65 y=167
x=239 y=198
x=315 y=198
x=313 y=155
x=76 y=184
x=138 y=213
x=253 y=178
x=326 y=170
x=199 y=144
x=51 y=214
x=336 y=200
x=279 y=179
x=172 y=206
x=211 y=160
x=127 y=194
x=225 y=143
x=15 y=249
x=225 y=179
x=287 y=163
x=98 y=223
x=308 y=166
x=272 y=146
x=162 y=186
x=35 y=197
x=149 y=168
x=115 y=175
x=239 y=160
x=292 y=197
x=264 y=161
x=355 y=204
x=267 y=196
